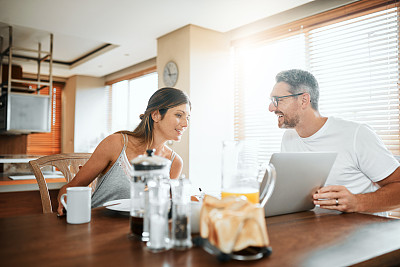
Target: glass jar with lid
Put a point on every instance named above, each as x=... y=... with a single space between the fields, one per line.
x=146 y=168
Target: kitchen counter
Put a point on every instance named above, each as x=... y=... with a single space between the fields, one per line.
x=9 y=185
x=17 y=164
x=17 y=158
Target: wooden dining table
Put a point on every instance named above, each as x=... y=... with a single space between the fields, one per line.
x=312 y=238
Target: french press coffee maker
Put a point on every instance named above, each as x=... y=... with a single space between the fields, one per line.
x=146 y=168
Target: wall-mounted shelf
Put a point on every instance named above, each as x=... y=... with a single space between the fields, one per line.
x=21 y=110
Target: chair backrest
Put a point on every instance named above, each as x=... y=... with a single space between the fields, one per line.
x=67 y=163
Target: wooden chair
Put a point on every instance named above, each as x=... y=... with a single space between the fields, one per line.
x=68 y=164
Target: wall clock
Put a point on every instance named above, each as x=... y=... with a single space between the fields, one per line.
x=170 y=75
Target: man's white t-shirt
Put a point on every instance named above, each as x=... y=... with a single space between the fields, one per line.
x=362 y=158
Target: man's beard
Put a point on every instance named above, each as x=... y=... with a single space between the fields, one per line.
x=289 y=122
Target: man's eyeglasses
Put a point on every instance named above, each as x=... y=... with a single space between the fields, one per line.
x=275 y=99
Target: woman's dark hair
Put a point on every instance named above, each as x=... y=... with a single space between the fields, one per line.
x=162 y=100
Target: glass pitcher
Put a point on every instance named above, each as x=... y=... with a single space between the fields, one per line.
x=241 y=173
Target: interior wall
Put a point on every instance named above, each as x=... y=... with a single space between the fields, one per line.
x=175 y=46
x=90 y=109
x=212 y=97
x=68 y=115
x=84 y=114
x=13 y=144
x=202 y=56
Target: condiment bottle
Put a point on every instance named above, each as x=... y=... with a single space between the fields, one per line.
x=159 y=198
x=181 y=234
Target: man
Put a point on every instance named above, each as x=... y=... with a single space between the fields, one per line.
x=365 y=176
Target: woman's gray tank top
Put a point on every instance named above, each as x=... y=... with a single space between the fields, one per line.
x=115 y=184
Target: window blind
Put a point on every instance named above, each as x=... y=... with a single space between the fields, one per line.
x=48 y=143
x=355 y=61
x=356 y=65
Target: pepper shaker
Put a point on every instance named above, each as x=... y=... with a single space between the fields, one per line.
x=181 y=233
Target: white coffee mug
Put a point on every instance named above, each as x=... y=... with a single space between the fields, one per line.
x=195 y=217
x=78 y=204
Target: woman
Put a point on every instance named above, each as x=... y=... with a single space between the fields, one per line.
x=166 y=118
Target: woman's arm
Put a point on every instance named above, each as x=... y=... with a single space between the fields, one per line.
x=104 y=155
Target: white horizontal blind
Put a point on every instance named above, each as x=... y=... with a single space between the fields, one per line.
x=356 y=65
x=255 y=77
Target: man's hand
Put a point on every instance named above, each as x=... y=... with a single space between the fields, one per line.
x=336 y=197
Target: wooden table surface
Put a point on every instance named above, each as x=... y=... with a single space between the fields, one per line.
x=310 y=238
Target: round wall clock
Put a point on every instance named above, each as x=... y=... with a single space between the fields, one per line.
x=170 y=75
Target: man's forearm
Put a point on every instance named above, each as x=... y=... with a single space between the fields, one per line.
x=384 y=199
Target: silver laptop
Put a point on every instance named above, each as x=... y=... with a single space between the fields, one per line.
x=298 y=177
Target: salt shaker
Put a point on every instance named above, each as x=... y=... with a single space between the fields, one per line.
x=159 y=195
x=181 y=234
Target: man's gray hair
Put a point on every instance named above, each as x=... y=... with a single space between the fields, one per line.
x=301 y=81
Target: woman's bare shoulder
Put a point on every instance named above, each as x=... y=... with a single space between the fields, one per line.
x=169 y=154
x=176 y=166
x=115 y=137
x=111 y=144
x=177 y=158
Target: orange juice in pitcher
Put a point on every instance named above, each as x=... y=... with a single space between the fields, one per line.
x=252 y=194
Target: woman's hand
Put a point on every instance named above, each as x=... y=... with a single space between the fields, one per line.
x=60 y=207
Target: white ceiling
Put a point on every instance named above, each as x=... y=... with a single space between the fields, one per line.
x=130 y=26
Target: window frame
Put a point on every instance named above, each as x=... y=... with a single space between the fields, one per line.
x=128 y=78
